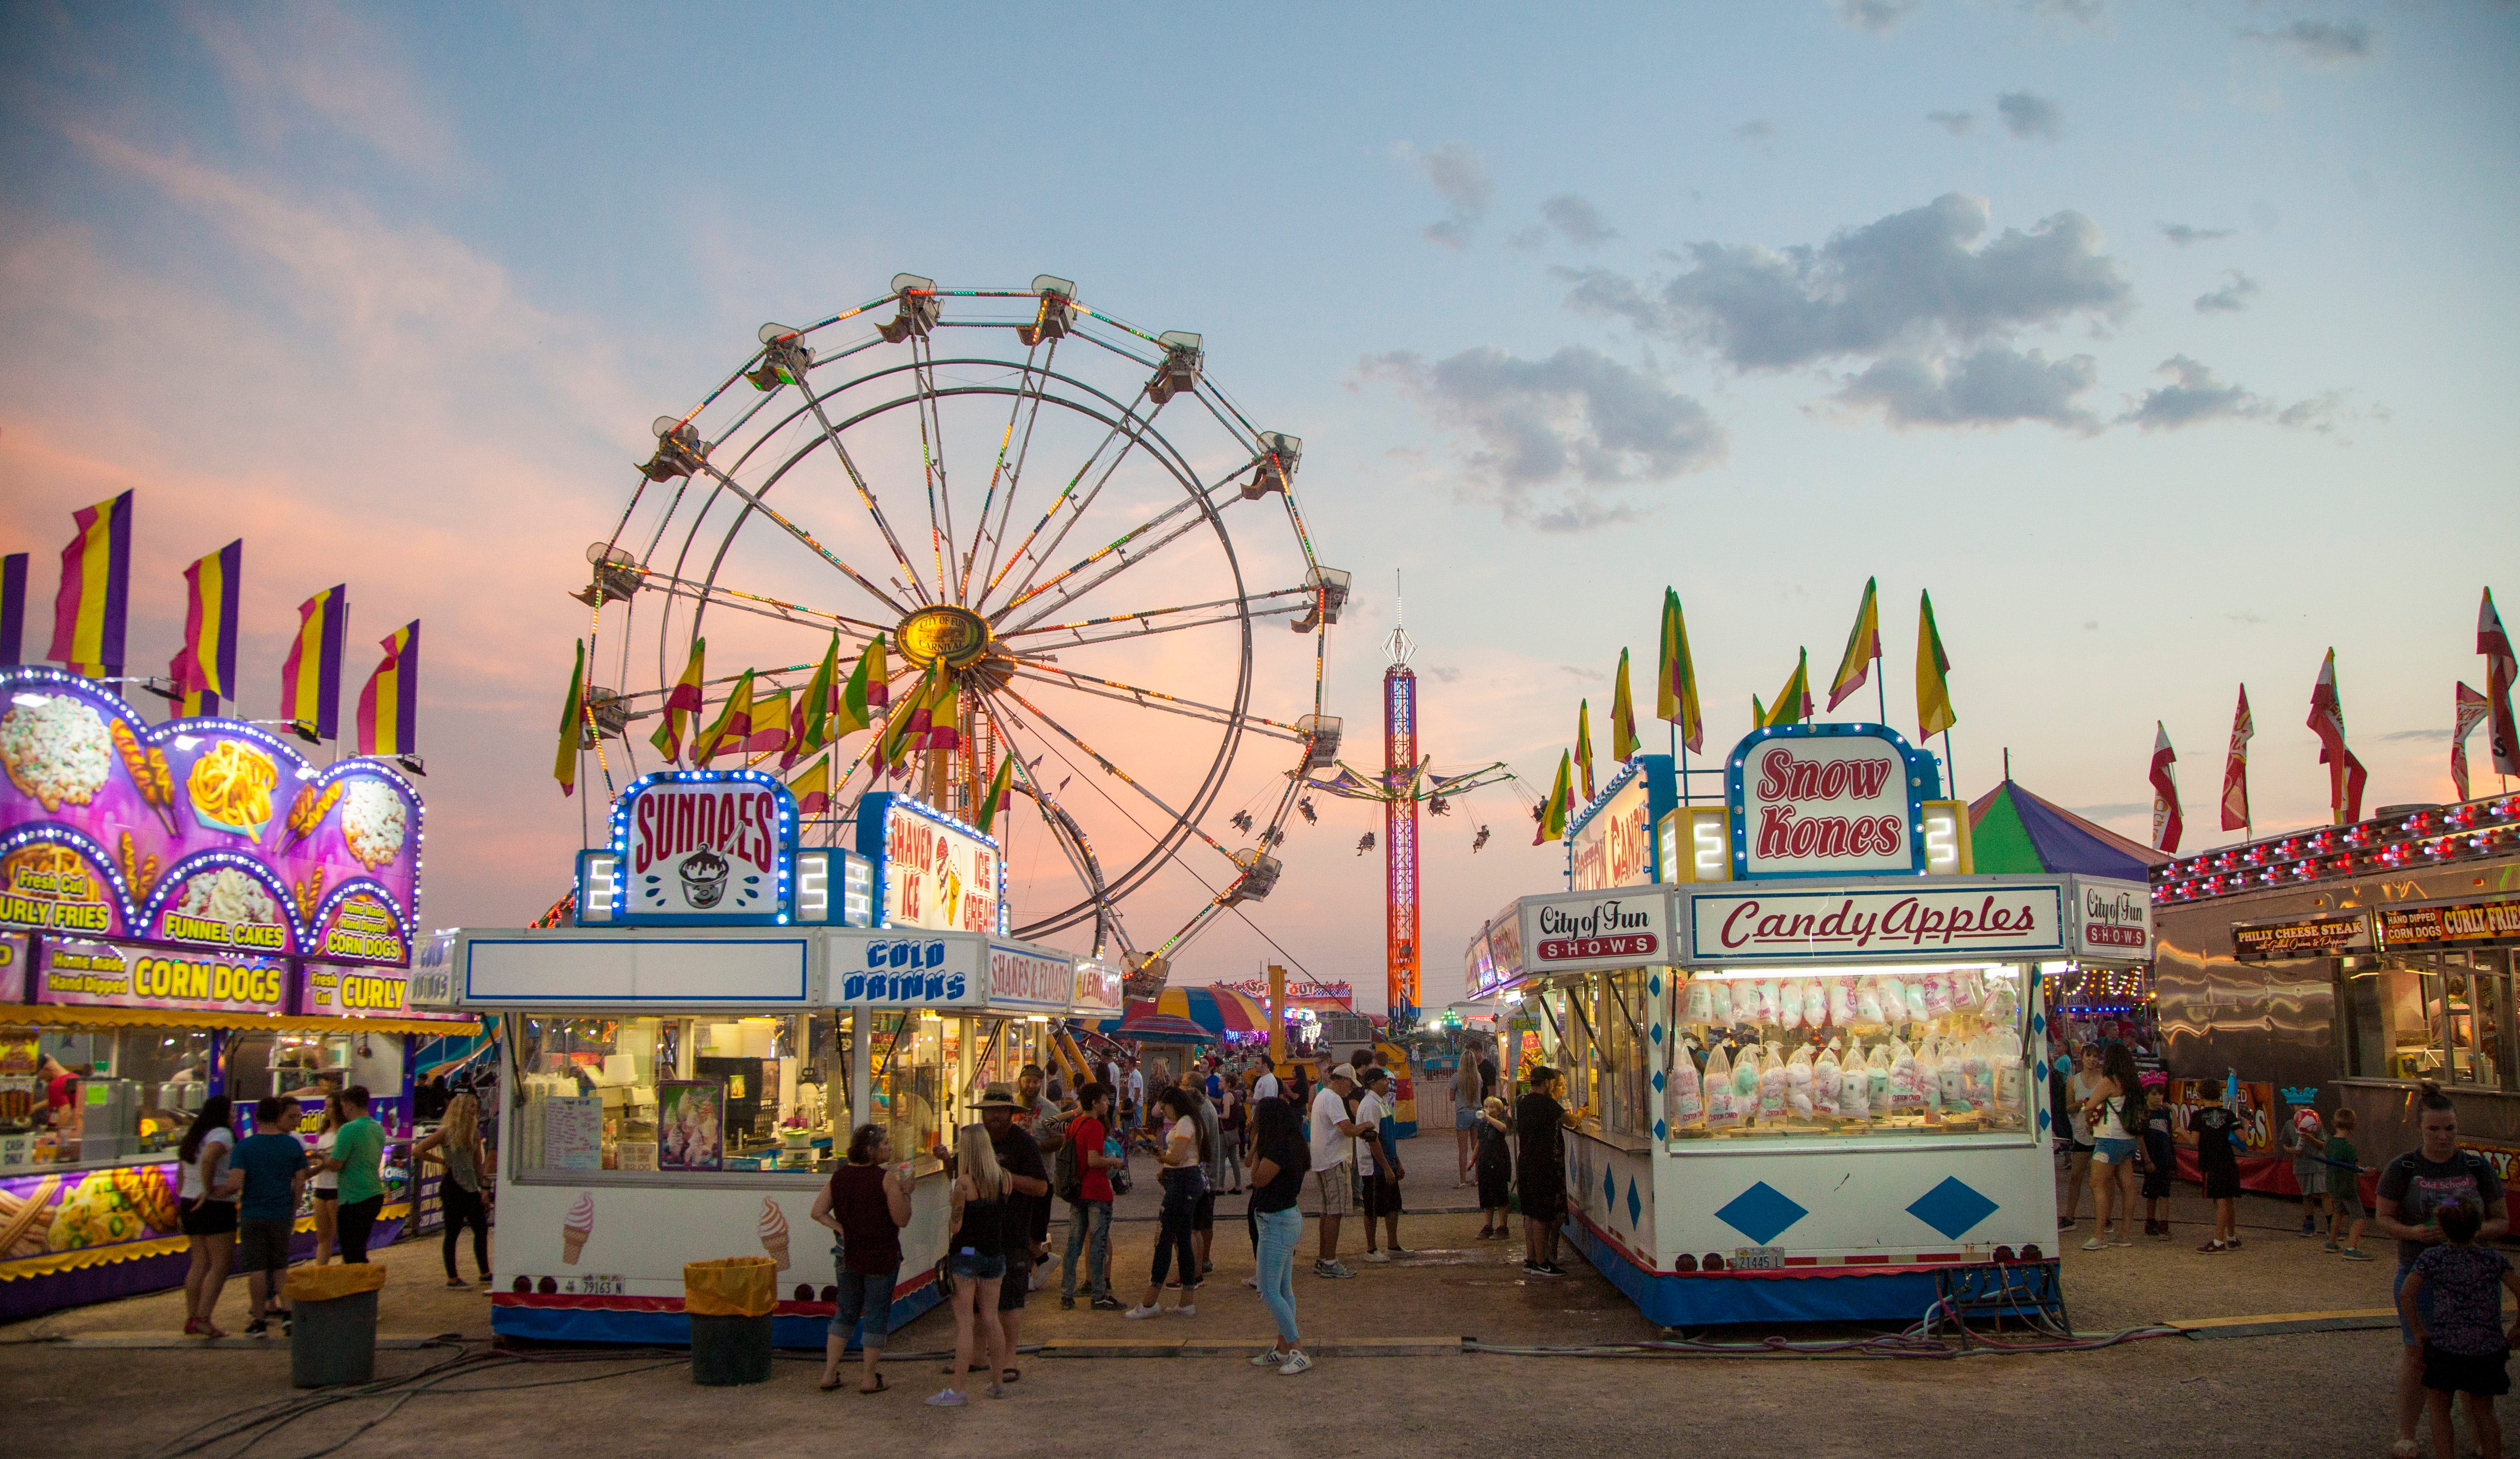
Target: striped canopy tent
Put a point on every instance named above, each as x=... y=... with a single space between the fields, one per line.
x=1200 y=1013
x=2012 y=831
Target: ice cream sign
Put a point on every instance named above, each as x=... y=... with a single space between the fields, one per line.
x=714 y=846
x=931 y=870
x=1828 y=800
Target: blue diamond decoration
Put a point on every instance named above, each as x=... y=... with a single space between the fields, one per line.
x=1611 y=1186
x=1654 y=983
x=1657 y=1080
x=2043 y=1122
x=1951 y=1208
x=1657 y=1036
x=1761 y=1213
x=2039 y=1023
x=1636 y=1208
x=1660 y=1133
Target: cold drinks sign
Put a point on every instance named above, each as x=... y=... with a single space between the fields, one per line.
x=1828 y=800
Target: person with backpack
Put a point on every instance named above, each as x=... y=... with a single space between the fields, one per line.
x=1084 y=1182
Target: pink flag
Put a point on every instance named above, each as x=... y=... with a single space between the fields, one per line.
x=2469 y=709
x=2499 y=669
x=2235 y=767
x=2166 y=825
x=2345 y=774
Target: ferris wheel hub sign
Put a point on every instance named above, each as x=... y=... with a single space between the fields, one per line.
x=943 y=635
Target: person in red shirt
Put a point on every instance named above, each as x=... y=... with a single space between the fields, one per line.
x=1088 y=1218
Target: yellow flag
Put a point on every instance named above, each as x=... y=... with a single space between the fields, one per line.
x=1794 y=700
x=734 y=725
x=1675 y=676
x=1623 y=717
x=571 y=718
x=1584 y=745
x=1933 y=669
x=1862 y=646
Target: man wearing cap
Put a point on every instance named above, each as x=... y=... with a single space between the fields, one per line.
x=1028 y=1185
x=1378 y=1169
x=1333 y=1138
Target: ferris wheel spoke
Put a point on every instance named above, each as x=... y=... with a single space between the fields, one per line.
x=931 y=460
x=1072 y=841
x=1180 y=820
x=1119 y=550
x=722 y=595
x=1156 y=700
x=1126 y=429
x=866 y=499
x=1279 y=603
x=1001 y=471
x=754 y=501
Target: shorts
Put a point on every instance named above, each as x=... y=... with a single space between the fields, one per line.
x=2222 y=1185
x=2484 y=1373
x=326 y=1193
x=1018 y=1278
x=2423 y=1306
x=2156 y=1184
x=263 y=1245
x=976 y=1267
x=209 y=1218
x=2347 y=1199
x=1330 y=1196
x=2113 y=1150
x=1465 y=1119
x=1203 y=1216
x=864 y=1296
x=2079 y=1147
x=2312 y=1179
x=1382 y=1196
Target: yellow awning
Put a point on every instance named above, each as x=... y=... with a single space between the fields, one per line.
x=57 y=1015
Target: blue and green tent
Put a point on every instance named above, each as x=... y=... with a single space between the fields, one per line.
x=2012 y=831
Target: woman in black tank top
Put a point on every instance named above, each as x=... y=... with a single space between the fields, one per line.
x=974 y=1254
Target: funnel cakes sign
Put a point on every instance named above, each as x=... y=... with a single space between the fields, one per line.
x=710 y=846
x=199 y=833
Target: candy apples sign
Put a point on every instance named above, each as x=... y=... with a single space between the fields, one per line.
x=703 y=847
x=1828 y=800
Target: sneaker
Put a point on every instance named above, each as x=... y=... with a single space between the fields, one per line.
x=1296 y=1363
x=1336 y=1269
x=1067 y=1304
x=2064 y=1223
x=1552 y=1269
x=1187 y=1310
x=996 y=1390
x=1378 y=1256
x=1268 y=1357
x=2332 y=1246
x=1253 y=1283
x=2233 y=1243
x=2355 y=1254
x=258 y=1327
x=945 y=1398
x=2212 y=1247
x=1108 y=1303
x=2309 y=1228
x=1207 y=1268
x=1141 y=1313
x=2121 y=1241
x=1400 y=1250
x=2094 y=1245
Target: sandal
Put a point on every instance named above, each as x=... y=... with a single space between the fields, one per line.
x=879 y=1386
x=458 y=1284
x=1010 y=1375
x=828 y=1383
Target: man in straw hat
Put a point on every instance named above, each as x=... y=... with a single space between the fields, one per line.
x=1029 y=1180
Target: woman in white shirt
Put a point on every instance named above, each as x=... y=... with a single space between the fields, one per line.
x=325 y=1187
x=208 y=1200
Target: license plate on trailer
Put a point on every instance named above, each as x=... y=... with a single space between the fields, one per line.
x=1758 y=1259
x=591 y=1286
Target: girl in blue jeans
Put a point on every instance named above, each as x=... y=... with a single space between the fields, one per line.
x=1184 y=1160
x=1280 y=1159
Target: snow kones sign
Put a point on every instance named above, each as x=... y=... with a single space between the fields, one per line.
x=1828 y=800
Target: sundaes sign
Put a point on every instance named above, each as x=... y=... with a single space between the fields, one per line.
x=1824 y=800
x=1949 y=921
x=702 y=847
x=1567 y=933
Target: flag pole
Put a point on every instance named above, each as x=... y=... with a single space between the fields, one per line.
x=1880 y=689
x=1950 y=765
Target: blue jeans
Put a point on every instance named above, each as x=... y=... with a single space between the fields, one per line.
x=1087 y=1219
x=866 y=1296
x=1281 y=1231
x=1173 y=1231
x=2423 y=1306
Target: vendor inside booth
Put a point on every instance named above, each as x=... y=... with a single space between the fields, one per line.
x=1802 y=1065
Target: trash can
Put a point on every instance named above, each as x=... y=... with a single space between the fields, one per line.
x=333 y=1322
x=728 y=1302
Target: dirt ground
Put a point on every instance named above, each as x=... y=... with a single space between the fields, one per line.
x=1392 y=1374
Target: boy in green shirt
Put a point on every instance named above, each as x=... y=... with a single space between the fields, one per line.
x=2345 y=1190
x=357 y=1148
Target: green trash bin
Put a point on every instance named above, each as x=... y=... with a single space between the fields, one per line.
x=333 y=1324
x=729 y=1302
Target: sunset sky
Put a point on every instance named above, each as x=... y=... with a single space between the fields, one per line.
x=2167 y=346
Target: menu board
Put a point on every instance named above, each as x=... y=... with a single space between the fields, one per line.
x=573 y=1133
x=201 y=832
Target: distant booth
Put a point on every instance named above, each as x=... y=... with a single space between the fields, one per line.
x=187 y=909
x=1794 y=1026
x=686 y=1060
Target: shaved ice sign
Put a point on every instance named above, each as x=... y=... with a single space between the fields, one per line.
x=200 y=833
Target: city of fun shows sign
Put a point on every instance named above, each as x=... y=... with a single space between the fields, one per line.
x=1828 y=800
x=205 y=834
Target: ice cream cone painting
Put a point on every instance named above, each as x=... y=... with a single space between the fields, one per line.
x=774 y=1232
x=574 y=1231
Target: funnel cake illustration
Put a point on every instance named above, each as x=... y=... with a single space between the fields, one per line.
x=703 y=874
x=574 y=1231
x=774 y=1232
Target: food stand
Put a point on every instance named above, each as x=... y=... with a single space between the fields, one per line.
x=197 y=910
x=1799 y=1056
x=685 y=1062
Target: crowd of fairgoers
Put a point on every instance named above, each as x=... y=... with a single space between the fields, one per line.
x=1221 y=1125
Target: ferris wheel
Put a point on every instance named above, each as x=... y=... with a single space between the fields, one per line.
x=1052 y=516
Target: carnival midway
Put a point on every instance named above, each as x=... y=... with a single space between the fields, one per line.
x=858 y=1056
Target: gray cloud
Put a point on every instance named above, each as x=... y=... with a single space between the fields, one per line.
x=2111 y=809
x=1958 y=123
x=2442 y=733
x=2196 y=395
x=1756 y=131
x=1875 y=16
x=2184 y=236
x=2321 y=42
x=2231 y=297
x=1558 y=437
x=1577 y=221
x=1589 y=676
x=2081 y=12
x=1995 y=385
x=2027 y=116
x=1458 y=176
x=1904 y=282
x=1445 y=674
